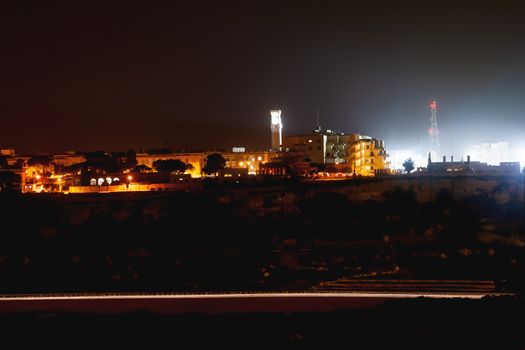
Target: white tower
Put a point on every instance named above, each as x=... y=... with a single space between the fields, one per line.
x=277 y=130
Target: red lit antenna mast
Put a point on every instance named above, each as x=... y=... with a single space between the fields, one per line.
x=433 y=132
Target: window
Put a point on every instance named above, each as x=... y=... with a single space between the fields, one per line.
x=372 y=161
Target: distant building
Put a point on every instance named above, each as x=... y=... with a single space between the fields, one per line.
x=472 y=167
x=68 y=159
x=294 y=163
x=337 y=145
x=314 y=146
x=273 y=168
x=7 y=152
x=233 y=172
x=322 y=147
x=250 y=161
x=350 y=152
x=492 y=153
x=368 y=156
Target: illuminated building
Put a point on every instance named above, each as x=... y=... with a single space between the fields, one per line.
x=7 y=152
x=367 y=156
x=337 y=147
x=294 y=163
x=314 y=146
x=343 y=152
x=274 y=168
x=492 y=153
x=68 y=159
x=246 y=160
x=321 y=147
x=277 y=130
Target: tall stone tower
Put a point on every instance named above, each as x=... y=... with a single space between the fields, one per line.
x=277 y=130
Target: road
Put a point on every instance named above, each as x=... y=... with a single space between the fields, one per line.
x=336 y=296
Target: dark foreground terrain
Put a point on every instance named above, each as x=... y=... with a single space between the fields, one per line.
x=290 y=238
x=490 y=323
x=296 y=237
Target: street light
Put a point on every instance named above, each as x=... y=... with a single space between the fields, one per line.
x=129 y=181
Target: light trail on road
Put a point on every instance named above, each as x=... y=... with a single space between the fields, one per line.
x=220 y=303
x=103 y=296
x=327 y=296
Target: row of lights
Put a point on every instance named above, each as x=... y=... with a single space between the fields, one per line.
x=109 y=180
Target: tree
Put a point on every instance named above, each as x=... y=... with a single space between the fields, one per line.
x=39 y=160
x=176 y=166
x=131 y=159
x=214 y=163
x=101 y=162
x=43 y=164
x=3 y=162
x=408 y=165
x=98 y=162
x=95 y=157
x=122 y=161
x=141 y=169
x=19 y=164
x=9 y=180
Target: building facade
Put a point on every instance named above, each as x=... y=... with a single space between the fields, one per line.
x=241 y=160
x=356 y=153
x=367 y=156
x=472 y=167
x=314 y=146
x=7 y=152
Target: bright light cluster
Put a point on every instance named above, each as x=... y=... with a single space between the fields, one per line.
x=276 y=116
x=397 y=157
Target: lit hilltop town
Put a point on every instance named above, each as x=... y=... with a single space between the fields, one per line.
x=320 y=155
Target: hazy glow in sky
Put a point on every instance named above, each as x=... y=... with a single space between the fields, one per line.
x=205 y=74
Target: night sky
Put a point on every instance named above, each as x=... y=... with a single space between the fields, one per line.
x=204 y=75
